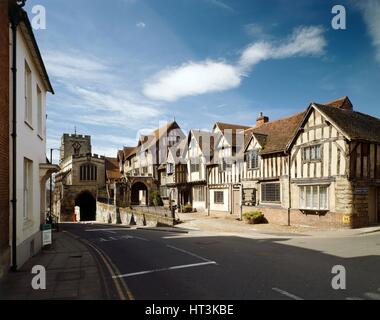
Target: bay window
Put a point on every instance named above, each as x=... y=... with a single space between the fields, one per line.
x=313 y=197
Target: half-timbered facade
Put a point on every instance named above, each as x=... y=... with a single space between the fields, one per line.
x=335 y=171
x=224 y=169
x=200 y=151
x=140 y=165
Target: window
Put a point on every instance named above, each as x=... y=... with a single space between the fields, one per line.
x=145 y=170
x=270 y=192
x=28 y=94
x=224 y=165
x=312 y=153
x=28 y=188
x=88 y=172
x=170 y=168
x=194 y=165
x=218 y=197
x=40 y=118
x=313 y=198
x=253 y=160
x=199 y=194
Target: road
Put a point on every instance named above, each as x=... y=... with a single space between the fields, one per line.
x=161 y=265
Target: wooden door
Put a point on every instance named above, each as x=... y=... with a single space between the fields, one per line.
x=236 y=201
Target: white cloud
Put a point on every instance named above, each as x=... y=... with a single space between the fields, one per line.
x=141 y=25
x=192 y=79
x=196 y=78
x=371 y=13
x=304 y=41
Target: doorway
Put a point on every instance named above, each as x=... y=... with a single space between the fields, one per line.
x=87 y=204
x=236 y=201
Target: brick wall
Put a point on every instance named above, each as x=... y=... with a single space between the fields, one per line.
x=4 y=137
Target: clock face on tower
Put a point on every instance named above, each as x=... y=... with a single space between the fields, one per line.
x=76 y=148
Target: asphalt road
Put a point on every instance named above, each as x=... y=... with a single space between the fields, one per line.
x=160 y=265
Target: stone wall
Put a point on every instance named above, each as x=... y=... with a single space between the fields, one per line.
x=106 y=213
x=4 y=138
x=278 y=215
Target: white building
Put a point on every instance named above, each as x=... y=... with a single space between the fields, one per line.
x=32 y=169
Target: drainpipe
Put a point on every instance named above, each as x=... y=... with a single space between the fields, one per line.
x=15 y=20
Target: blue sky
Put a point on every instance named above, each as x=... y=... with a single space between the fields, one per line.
x=121 y=66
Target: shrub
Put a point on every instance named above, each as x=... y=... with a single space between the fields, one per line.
x=254 y=217
x=155 y=199
x=187 y=208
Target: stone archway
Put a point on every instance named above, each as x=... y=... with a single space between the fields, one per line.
x=139 y=194
x=87 y=204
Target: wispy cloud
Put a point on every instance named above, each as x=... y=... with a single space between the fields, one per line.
x=371 y=14
x=92 y=95
x=304 y=41
x=221 y=4
x=196 y=78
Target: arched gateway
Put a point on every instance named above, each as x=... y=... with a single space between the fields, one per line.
x=87 y=204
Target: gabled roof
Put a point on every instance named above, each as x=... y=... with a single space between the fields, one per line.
x=202 y=136
x=342 y=103
x=355 y=125
x=112 y=168
x=230 y=132
x=229 y=126
x=274 y=136
x=179 y=150
x=128 y=151
x=159 y=132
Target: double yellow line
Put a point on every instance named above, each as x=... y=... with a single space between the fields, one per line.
x=121 y=287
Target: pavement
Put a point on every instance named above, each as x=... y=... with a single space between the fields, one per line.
x=72 y=272
x=228 y=224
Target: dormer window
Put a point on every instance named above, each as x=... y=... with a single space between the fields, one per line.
x=252 y=160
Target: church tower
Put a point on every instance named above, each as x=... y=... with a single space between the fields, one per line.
x=74 y=145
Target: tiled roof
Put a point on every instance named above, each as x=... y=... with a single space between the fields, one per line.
x=225 y=126
x=340 y=103
x=356 y=125
x=112 y=168
x=128 y=151
x=274 y=136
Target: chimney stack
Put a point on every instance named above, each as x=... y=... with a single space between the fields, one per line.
x=261 y=120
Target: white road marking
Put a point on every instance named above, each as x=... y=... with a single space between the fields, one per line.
x=189 y=253
x=165 y=269
x=354 y=298
x=287 y=294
